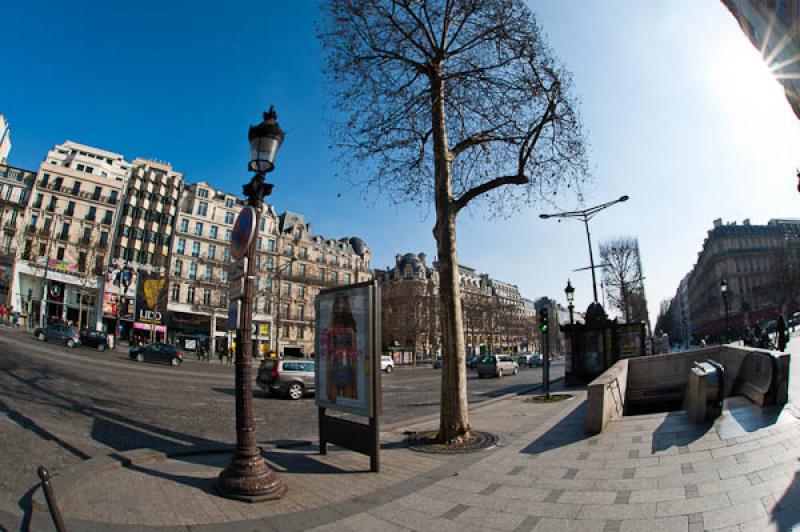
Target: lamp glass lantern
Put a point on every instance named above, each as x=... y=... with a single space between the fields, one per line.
x=265 y=139
x=570 y=291
x=723 y=287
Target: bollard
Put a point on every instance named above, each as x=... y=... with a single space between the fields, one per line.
x=52 y=504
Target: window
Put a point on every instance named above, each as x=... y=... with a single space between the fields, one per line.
x=34 y=219
x=176 y=293
x=288 y=269
x=334 y=277
x=285 y=331
x=303 y=253
x=126 y=230
x=228 y=218
x=301 y=270
x=258 y=261
x=206 y=296
x=301 y=291
x=258 y=243
x=37 y=203
x=57 y=183
x=44 y=180
x=228 y=235
x=190 y=294
x=212 y=252
x=289 y=250
x=270 y=263
x=107 y=217
x=53 y=202
x=346 y=278
x=202 y=208
x=137 y=233
x=262 y=224
x=185 y=225
x=301 y=334
x=87 y=233
x=76 y=187
x=229 y=203
x=64 y=231
x=92 y=213
x=98 y=191
x=181 y=249
x=195 y=249
x=214 y=230
x=223 y=275
x=301 y=312
x=271 y=246
x=60 y=254
x=198 y=228
x=70 y=208
x=287 y=289
x=177 y=269
x=202 y=192
x=226 y=255
x=112 y=199
x=209 y=273
x=193 y=271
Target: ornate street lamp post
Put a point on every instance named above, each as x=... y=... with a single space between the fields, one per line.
x=585 y=215
x=570 y=291
x=248 y=477
x=723 y=287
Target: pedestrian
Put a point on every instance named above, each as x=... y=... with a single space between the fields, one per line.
x=221 y=353
x=15 y=318
x=3 y=313
x=783 y=333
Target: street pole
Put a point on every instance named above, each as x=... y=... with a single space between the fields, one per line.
x=727 y=324
x=571 y=308
x=591 y=257
x=248 y=477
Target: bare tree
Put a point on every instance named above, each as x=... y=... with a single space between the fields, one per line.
x=623 y=277
x=450 y=101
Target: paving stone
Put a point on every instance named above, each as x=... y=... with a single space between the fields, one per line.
x=688 y=506
x=613 y=526
x=696 y=517
x=484 y=519
x=430 y=505
x=719 y=486
x=657 y=495
x=625 y=484
x=758 y=490
x=617 y=511
x=563 y=525
x=667 y=524
x=553 y=496
x=735 y=515
x=528 y=524
x=692 y=478
x=543 y=509
x=588 y=497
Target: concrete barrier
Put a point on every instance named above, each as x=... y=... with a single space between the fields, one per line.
x=606 y=397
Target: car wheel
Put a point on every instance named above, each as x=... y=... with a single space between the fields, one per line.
x=516 y=371
x=500 y=373
x=101 y=347
x=41 y=337
x=70 y=343
x=295 y=391
x=140 y=357
x=389 y=369
x=175 y=361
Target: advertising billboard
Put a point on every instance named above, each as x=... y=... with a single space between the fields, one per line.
x=345 y=349
x=151 y=301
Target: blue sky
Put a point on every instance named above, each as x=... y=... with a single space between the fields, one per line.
x=681 y=115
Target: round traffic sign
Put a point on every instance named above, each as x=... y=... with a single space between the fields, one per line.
x=243 y=232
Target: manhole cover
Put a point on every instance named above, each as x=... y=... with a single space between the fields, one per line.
x=424 y=442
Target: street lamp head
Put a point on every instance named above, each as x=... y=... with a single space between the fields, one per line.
x=723 y=287
x=623 y=198
x=544 y=216
x=265 y=139
x=570 y=291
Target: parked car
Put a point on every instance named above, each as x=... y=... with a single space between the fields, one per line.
x=387 y=364
x=497 y=366
x=438 y=363
x=292 y=378
x=96 y=339
x=157 y=352
x=535 y=360
x=472 y=363
x=56 y=332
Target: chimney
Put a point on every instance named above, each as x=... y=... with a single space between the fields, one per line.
x=746 y=221
x=717 y=223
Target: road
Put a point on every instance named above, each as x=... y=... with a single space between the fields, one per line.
x=60 y=405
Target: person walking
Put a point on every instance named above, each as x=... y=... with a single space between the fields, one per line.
x=783 y=333
x=3 y=313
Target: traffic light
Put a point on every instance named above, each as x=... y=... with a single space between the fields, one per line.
x=543 y=320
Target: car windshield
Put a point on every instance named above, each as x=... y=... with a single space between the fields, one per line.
x=488 y=360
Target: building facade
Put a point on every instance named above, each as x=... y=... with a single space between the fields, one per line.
x=15 y=191
x=773 y=26
x=65 y=238
x=761 y=265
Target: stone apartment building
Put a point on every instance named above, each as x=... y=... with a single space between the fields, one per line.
x=143 y=235
x=15 y=189
x=760 y=264
x=65 y=238
x=292 y=265
x=494 y=313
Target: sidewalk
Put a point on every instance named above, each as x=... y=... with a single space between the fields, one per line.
x=650 y=473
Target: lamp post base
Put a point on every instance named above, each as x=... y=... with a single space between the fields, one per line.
x=249 y=479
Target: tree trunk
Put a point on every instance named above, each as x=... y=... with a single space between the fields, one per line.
x=453 y=417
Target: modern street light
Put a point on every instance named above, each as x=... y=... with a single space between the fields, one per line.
x=585 y=215
x=723 y=287
x=570 y=291
x=248 y=477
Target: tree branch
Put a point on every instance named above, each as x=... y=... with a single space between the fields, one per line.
x=474 y=192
